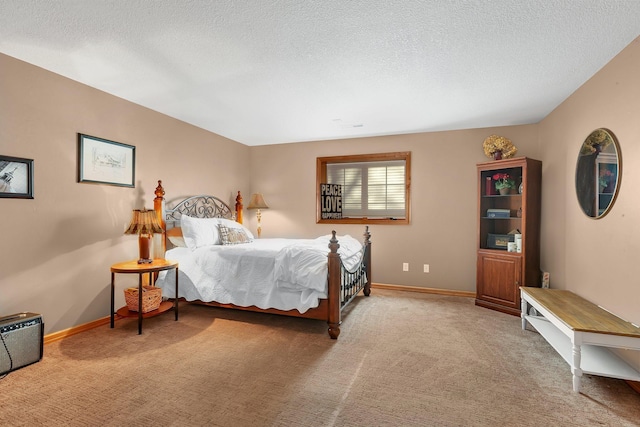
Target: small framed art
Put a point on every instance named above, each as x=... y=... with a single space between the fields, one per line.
x=101 y=161
x=500 y=241
x=16 y=177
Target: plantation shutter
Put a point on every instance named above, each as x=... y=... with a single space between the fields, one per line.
x=370 y=189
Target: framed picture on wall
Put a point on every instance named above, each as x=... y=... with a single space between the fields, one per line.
x=16 y=177
x=101 y=161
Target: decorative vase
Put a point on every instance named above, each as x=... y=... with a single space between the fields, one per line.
x=497 y=155
x=602 y=187
x=504 y=191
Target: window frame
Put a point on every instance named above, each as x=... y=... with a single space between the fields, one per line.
x=321 y=178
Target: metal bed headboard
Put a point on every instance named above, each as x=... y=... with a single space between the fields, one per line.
x=198 y=207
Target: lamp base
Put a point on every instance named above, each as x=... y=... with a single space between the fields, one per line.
x=144 y=243
x=259 y=217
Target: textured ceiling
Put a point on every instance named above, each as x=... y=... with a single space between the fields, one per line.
x=278 y=71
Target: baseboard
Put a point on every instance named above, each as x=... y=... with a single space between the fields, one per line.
x=57 y=336
x=448 y=292
x=634 y=385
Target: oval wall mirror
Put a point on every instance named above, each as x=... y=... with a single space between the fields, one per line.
x=598 y=173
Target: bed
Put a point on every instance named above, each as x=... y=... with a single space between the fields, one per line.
x=223 y=265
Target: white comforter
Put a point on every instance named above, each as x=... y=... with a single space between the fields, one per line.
x=284 y=274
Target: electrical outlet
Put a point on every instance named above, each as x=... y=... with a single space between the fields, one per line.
x=405 y=266
x=545 y=279
x=426 y=268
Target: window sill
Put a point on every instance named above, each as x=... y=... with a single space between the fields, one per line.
x=380 y=221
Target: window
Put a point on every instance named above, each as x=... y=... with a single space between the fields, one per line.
x=375 y=187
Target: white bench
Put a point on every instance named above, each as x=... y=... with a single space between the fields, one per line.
x=581 y=332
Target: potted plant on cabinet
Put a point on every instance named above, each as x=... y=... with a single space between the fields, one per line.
x=504 y=183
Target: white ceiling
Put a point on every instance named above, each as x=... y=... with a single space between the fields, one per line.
x=278 y=71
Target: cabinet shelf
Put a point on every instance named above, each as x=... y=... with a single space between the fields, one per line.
x=595 y=360
x=492 y=218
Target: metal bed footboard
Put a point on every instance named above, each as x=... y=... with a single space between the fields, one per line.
x=358 y=279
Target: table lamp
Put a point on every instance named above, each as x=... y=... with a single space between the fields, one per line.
x=144 y=223
x=257 y=202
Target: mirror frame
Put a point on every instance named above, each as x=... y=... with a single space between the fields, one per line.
x=587 y=172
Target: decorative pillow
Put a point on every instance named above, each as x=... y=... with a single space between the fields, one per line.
x=229 y=223
x=233 y=236
x=175 y=237
x=198 y=232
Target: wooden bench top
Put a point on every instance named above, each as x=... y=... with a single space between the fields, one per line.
x=579 y=314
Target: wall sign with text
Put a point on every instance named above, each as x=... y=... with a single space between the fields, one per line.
x=331 y=201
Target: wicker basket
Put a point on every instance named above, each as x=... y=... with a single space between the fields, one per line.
x=151 y=298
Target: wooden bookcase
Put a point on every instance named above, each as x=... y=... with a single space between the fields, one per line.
x=500 y=273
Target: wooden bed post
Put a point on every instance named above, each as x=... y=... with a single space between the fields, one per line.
x=334 y=319
x=367 y=260
x=158 y=206
x=239 y=208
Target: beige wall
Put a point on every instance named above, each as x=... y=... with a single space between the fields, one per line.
x=443 y=225
x=56 y=249
x=598 y=259
x=594 y=258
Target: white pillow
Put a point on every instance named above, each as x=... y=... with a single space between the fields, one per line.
x=198 y=232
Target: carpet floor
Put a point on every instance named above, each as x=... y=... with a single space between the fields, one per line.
x=402 y=359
